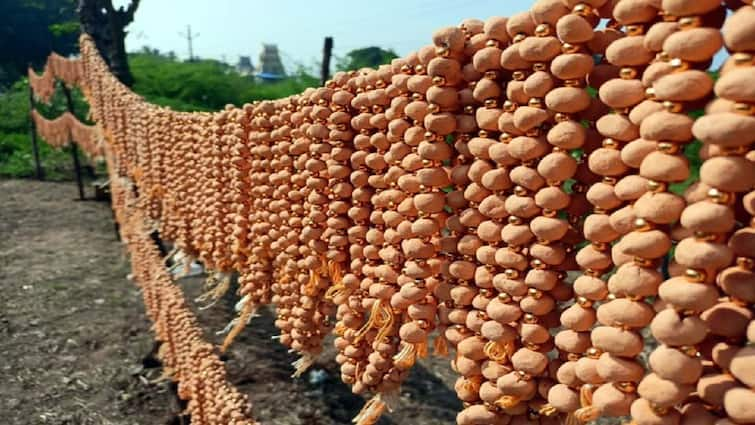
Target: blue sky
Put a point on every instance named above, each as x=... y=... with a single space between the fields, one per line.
x=229 y=28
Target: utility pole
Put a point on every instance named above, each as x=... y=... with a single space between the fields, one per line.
x=190 y=38
x=327 y=52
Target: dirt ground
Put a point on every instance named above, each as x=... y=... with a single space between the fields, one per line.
x=75 y=343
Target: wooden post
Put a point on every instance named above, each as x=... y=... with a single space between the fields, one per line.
x=40 y=173
x=74 y=148
x=327 y=52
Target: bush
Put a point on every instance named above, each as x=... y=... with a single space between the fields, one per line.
x=204 y=85
x=16 y=157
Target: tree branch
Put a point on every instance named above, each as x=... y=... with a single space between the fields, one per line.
x=128 y=14
x=108 y=6
x=123 y=16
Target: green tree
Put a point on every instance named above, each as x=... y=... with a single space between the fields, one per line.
x=369 y=57
x=203 y=84
x=30 y=30
x=198 y=85
x=107 y=26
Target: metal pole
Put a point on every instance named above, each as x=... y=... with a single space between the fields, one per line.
x=191 y=45
x=327 y=52
x=74 y=148
x=33 y=132
x=190 y=37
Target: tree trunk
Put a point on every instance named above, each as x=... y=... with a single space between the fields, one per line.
x=107 y=26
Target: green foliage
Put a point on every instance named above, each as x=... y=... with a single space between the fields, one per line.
x=282 y=88
x=64 y=28
x=16 y=158
x=368 y=57
x=199 y=85
x=203 y=84
x=14 y=108
x=692 y=152
x=30 y=30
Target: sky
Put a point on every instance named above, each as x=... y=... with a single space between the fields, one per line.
x=230 y=28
